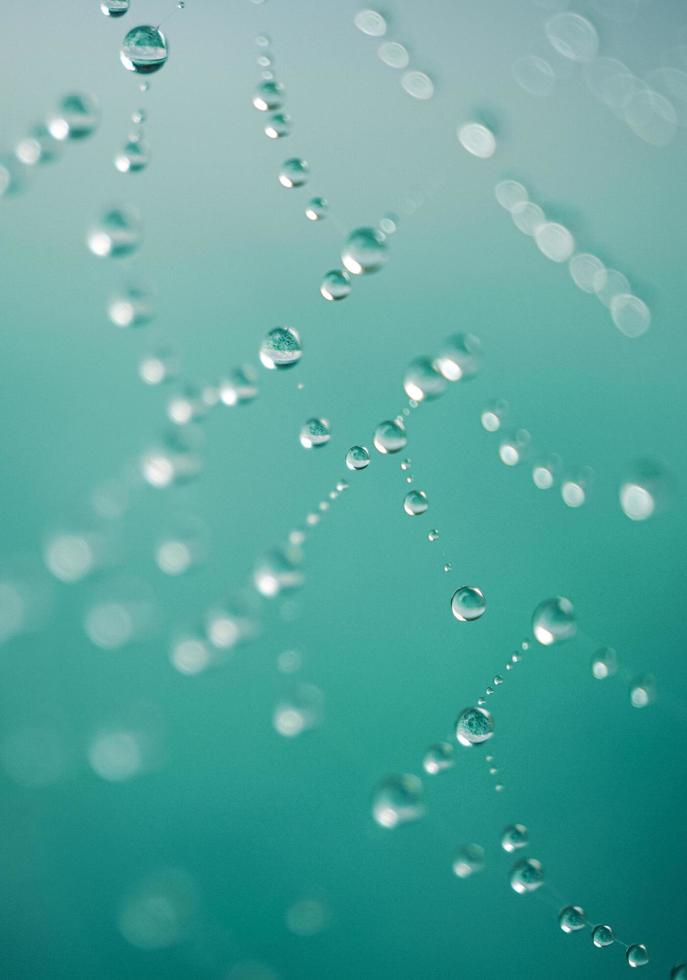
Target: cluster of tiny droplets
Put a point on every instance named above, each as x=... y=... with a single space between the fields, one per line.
x=114 y=755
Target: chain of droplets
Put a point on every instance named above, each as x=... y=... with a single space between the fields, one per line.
x=394 y=54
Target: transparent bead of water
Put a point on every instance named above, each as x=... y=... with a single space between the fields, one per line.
x=433 y=535
x=554 y=241
x=114 y=8
x=460 y=357
x=365 y=251
x=477 y=139
x=278 y=571
x=645 y=490
x=422 y=381
x=573 y=36
x=554 y=621
x=278 y=125
x=637 y=955
x=513 y=447
x=468 y=860
x=527 y=217
x=336 y=285
x=545 y=472
x=370 y=22
x=438 y=758
x=415 y=503
x=398 y=800
x=358 y=458
x=584 y=269
x=575 y=487
x=535 y=75
x=602 y=936
x=474 y=726
x=609 y=283
x=118 y=233
x=298 y=712
x=643 y=691
x=527 y=876
x=76 y=117
x=269 y=96
x=468 y=604
x=604 y=663
x=294 y=173
x=133 y=157
x=316 y=209
x=393 y=54
x=630 y=314
x=281 y=348
x=510 y=193
x=390 y=437
x=239 y=388
x=186 y=406
x=572 y=918
x=158 y=366
x=418 y=84
x=514 y=837
x=493 y=415
x=315 y=433
x=39 y=146
x=130 y=308
x=144 y=50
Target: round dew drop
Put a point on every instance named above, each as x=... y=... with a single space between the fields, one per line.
x=474 y=726
x=527 y=876
x=144 y=50
x=415 y=503
x=468 y=604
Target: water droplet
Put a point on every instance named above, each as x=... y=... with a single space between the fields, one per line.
x=76 y=117
x=553 y=621
x=477 y=139
x=269 y=96
x=527 y=876
x=630 y=314
x=294 y=173
x=144 y=50
x=535 y=75
x=468 y=861
x=527 y=217
x=130 y=308
x=604 y=663
x=40 y=146
x=651 y=116
x=572 y=918
x=390 y=437
x=609 y=283
x=554 y=241
x=281 y=348
x=460 y=357
x=447 y=566
x=418 y=84
x=316 y=209
x=365 y=251
x=278 y=571
x=415 y=503
x=514 y=837
x=278 y=125
x=118 y=233
x=573 y=36
x=645 y=490
x=679 y=972
x=336 y=285
x=306 y=917
x=398 y=800
x=240 y=387
x=289 y=661
x=370 y=22
x=358 y=458
x=134 y=156
x=574 y=488
x=510 y=193
x=468 y=604
x=643 y=691
x=513 y=447
x=114 y=8
x=602 y=936
x=315 y=433
x=159 y=366
x=438 y=758
x=393 y=54
x=473 y=726
x=493 y=415
x=584 y=268
x=637 y=955
x=423 y=381
x=544 y=473
x=433 y=535
x=299 y=712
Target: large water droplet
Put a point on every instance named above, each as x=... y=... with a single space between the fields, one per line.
x=144 y=50
x=468 y=603
x=473 y=726
x=602 y=936
x=637 y=955
x=553 y=621
x=527 y=876
x=114 y=8
x=572 y=918
x=415 y=503
x=460 y=357
x=358 y=458
x=315 y=433
x=281 y=348
x=390 y=437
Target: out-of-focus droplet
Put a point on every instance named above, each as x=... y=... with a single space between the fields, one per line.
x=493 y=415
x=609 y=283
x=643 y=691
x=468 y=604
x=630 y=314
x=294 y=173
x=130 y=308
x=418 y=84
x=514 y=446
x=469 y=859
x=269 y=96
x=679 y=972
x=390 y=437
x=422 y=380
x=510 y=193
x=114 y=8
x=160 y=911
x=393 y=54
x=358 y=458
x=299 y=711
x=239 y=388
x=336 y=285
x=651 y=116
x=554 y=241
x=602 y=936
x=370 y=22
x=514 y=837
x=281 y=348
x=645 y=490
x=527 y=217
x=474 y=726
x=604 y=663
x=158 y=366
x=144 y=50
x=278 y=571
x=575 y=487
x=438 y=758
x=554 y=621
x=572 y=918
x=460 y=357
x=365 y=251
x=527 y=876
x=398 y=800
x=118 y=233
x=182 y=546
x=415 y=503
x=477 y=139
x=278 y=125
x=120 y=615
x=186 y=406
x=316 y=209
x=307 y=917
x=76 y=117
x=133 y=157
x=535 y=75
x=70 y=557
x=316 y=432
x=584 y=268
x=573 y=36
x=38 y=147
x=544 y=472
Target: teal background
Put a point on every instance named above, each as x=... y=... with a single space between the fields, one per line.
x=256 y=820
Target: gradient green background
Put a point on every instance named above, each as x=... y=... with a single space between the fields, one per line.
x=260 y=821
